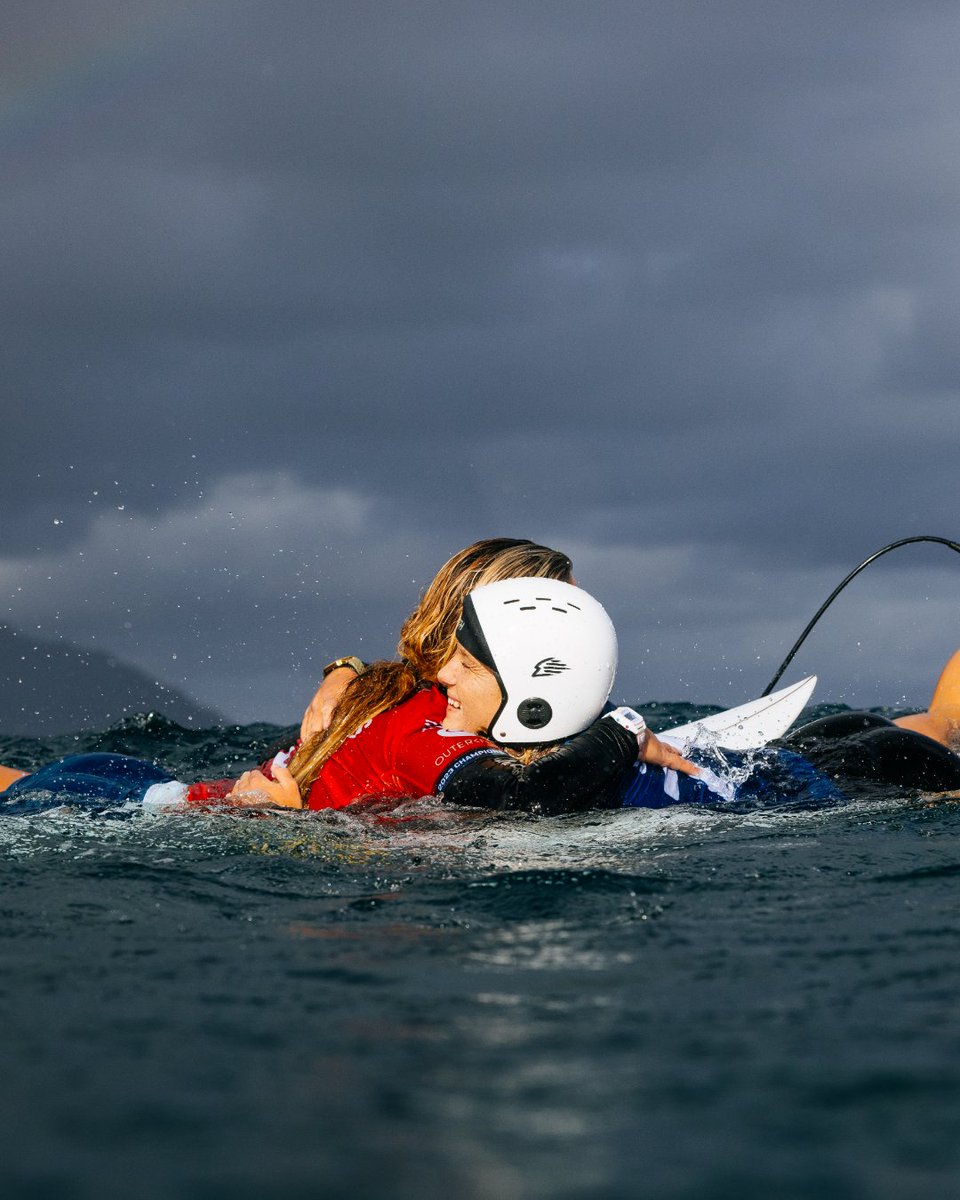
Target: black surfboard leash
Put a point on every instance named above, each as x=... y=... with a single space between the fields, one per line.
x=839 y=588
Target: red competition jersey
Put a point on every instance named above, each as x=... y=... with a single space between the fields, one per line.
x=401 y=752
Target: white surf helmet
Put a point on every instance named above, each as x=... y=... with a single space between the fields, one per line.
x=553 y=650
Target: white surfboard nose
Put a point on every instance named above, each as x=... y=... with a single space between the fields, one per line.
x=748 y=726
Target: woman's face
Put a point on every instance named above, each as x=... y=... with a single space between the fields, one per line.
x=473 y=694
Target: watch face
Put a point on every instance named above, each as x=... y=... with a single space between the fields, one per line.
x=629 y=719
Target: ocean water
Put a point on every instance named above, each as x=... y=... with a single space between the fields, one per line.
x=418 y=1002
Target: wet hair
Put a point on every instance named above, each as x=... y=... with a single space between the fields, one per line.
x=427 y=640
x=428 y=636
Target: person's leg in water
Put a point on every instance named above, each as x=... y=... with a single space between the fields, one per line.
x=9 y=775
x=919 y=752
x=942 y=720
x=99 y=779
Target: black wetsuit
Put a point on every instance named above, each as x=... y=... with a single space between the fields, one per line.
x=861 y=747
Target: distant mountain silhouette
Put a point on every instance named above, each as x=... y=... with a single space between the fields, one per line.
x=56 y=687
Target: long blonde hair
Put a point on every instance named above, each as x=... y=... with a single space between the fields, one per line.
x=426 y=640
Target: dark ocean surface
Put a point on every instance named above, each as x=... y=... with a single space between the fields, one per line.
x=419 y=1003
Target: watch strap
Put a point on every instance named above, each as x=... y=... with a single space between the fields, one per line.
x=630 y=719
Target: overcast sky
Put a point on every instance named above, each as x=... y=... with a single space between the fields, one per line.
x=300 y=297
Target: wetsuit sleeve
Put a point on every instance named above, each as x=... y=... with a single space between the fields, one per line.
x=585 y=772
x=209 y=791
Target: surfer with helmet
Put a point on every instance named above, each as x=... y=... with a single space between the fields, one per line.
x=483 y=741
x=534 y=663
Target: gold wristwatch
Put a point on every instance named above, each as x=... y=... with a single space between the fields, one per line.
x=351 y=661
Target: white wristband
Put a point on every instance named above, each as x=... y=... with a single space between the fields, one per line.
x=629 y=719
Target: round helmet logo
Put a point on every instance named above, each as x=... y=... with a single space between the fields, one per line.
x=534 y=713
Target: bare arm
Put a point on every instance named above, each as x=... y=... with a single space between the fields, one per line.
x=662 y=754
x=317 y=716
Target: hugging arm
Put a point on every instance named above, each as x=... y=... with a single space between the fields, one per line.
x=583 y=773
x=336 y=676
x=254 y=790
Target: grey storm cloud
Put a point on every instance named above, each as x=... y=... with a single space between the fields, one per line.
x=671 y=284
